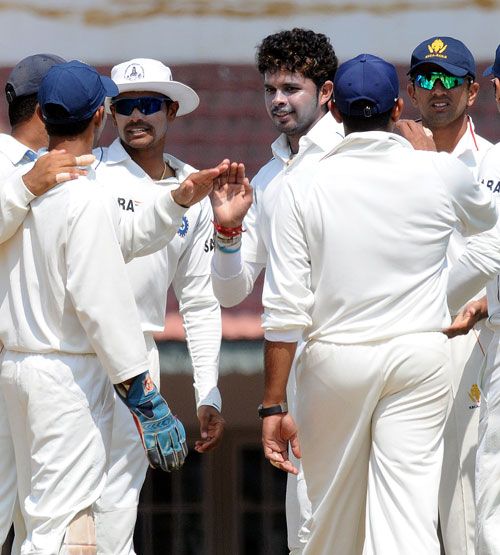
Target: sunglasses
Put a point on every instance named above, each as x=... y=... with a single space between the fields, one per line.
x=428 y=80
x=147 y=105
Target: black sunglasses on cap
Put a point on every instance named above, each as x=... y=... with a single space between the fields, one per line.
x=145 y=104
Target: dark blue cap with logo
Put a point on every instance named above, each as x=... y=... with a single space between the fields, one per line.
x=77 y=88
x=495 y=67
x=365 y=86
x=26 y=76
x=445 y=52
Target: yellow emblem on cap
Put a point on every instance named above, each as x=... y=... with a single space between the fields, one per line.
x=436 y=49
x=475 y=394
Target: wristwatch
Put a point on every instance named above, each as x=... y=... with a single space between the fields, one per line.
x=273 y=409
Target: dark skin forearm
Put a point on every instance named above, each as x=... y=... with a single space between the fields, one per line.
x=278 y=358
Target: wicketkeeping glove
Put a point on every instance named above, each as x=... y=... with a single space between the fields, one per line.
x=162 y=434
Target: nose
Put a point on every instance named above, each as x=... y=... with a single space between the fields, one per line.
x=438 y=87
x=279 y=97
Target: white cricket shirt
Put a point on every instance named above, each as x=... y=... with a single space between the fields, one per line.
x=63 y=285
x=183 y=263
x=470 y=150
x=358 y=254
x=234 y=274
x=481 y=262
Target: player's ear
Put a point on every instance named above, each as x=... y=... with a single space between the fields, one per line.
x=410 y=89
x=325 y=92
x=397 y=110
x=99 y=117
x=472 y=93
x=38 y=111
x=172 y=109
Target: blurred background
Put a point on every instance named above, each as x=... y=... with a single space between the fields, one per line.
x=231 y=502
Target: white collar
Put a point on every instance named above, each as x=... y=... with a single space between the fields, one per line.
x=324 y=134
x=14 y=150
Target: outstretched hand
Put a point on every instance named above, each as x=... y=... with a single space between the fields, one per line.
x=232 y=196
x=467 y=318
x=279 y=431
x=198 y=185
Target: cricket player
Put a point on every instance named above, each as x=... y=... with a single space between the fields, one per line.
x=478 y=266
x=28 y=135
x=136 y=170
x=69 y=325
x=443 y=88
x=298 y=67
x=357 y=270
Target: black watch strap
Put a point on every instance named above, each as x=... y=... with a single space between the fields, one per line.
x=274 y=409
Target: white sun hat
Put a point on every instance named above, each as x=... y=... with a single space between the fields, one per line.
x=145 y=74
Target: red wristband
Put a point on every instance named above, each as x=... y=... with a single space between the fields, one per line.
x=228 y=231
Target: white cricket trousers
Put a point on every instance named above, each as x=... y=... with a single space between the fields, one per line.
x=488 y=456
x=60 y=409
x=297 y=504
x=457 y=513
x=115 y=511
x=371 y=419
x=10 y=511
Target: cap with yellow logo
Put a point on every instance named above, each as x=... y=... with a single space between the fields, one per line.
x=447 y=53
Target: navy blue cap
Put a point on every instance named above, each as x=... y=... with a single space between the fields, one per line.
x=26 y=76
x=365 y=78
x=76 y=87
x=447 y=53
x=495 y=67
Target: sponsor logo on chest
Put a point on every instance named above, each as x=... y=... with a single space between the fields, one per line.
x=492 y=184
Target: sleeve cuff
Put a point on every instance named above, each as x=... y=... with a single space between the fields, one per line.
x=284 y=336
x=227 y=265
x=169 y=210
x=212 y=398
x=19 y=190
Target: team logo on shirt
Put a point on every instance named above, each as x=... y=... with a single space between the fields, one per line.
x=182 y=231
x=475 y=396
x=436 y=49
x=134 y=72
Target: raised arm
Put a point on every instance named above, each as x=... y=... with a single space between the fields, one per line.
x=233 y=276
x=156 y=225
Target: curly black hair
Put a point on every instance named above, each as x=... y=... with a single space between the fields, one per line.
x=298 y=51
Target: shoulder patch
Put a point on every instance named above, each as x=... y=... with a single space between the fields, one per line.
x=182 y=231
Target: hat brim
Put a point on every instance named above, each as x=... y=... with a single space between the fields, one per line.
x=109 y=86
x=488 y=71
x=450 y=68
x=188 y=100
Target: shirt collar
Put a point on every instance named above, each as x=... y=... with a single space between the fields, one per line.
x=467 y=142
x=117 y=155
x=325 y=134
x=370 y=141
x=15 y=151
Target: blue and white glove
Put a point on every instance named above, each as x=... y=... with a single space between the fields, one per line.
x=162 y=434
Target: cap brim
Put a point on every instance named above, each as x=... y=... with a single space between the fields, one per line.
x=488 y=71
x=450 y=68
x=188 y=100
x=109 y=86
